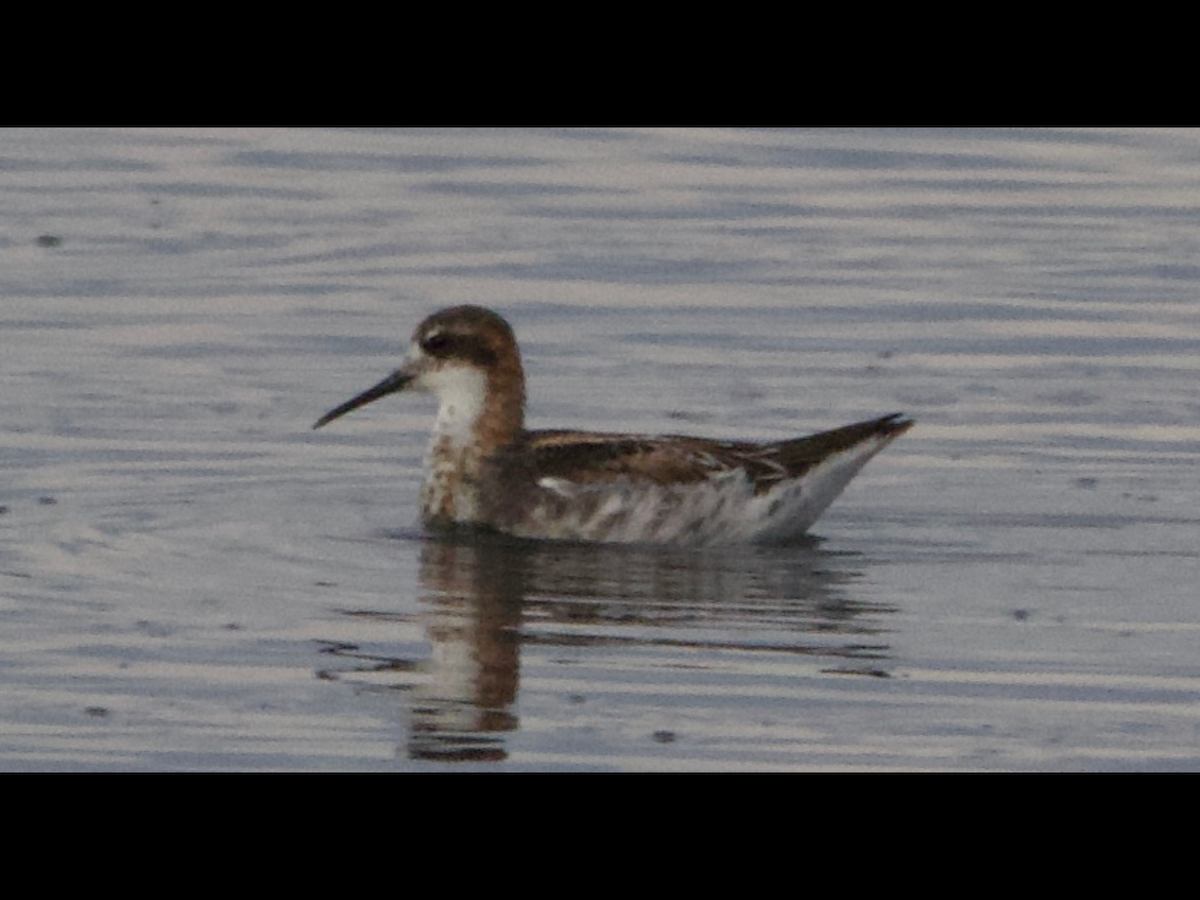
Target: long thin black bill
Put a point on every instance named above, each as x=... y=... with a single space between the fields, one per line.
x=397 y=381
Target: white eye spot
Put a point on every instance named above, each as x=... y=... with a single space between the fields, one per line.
x=435 y=343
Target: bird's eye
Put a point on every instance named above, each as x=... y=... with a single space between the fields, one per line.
x=436 y=344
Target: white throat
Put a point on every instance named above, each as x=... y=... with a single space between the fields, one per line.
x=462 y=393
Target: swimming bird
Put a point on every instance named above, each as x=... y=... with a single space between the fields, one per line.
x=484 y=469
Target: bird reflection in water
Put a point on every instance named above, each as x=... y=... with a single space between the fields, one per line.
x=486 y=598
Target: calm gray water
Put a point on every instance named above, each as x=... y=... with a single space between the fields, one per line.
x=192 y=579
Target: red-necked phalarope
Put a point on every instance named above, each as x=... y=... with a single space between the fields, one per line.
x=485 y=469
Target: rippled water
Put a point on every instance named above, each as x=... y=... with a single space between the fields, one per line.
x=191 y=578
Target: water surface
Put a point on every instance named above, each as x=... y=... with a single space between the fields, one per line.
x=191 y=578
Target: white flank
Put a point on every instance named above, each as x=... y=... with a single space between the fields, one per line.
x=720 y=510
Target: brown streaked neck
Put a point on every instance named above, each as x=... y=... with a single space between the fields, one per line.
x=480 y=417
x=502 y=421
x=481 y=409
